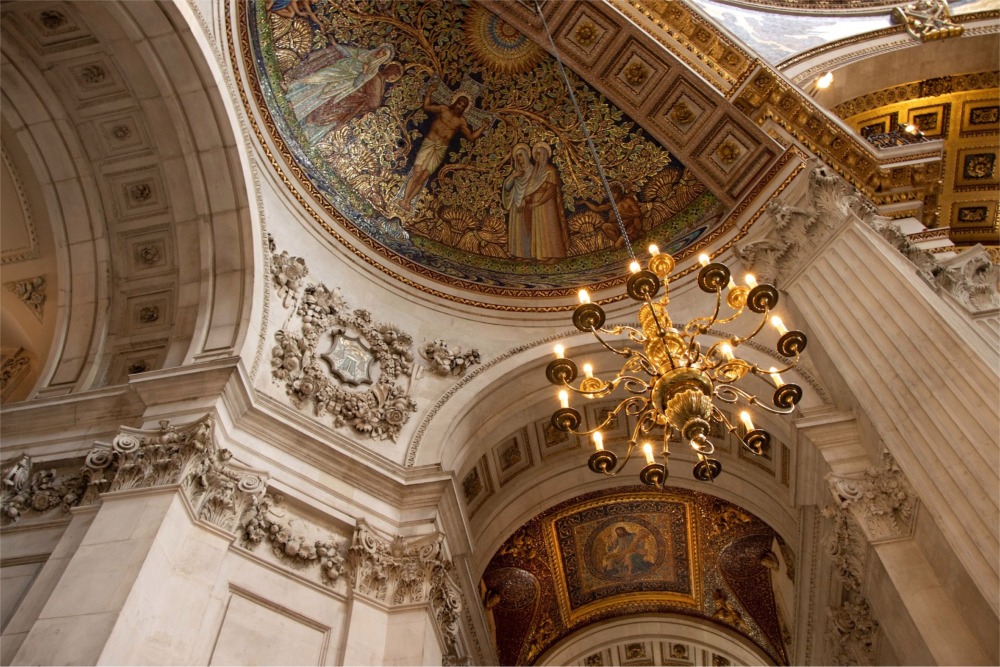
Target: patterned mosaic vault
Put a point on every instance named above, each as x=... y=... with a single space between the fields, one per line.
x=634 y=551
x=441 y=137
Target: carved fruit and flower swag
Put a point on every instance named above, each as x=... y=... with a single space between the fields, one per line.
x=321 y=314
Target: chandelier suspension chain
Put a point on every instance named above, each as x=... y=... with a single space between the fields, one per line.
x=586 y=132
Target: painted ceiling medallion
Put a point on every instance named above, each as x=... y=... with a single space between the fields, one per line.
x=444 y=139
x=633 y=551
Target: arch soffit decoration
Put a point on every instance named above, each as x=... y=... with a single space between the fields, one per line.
x=140 y=100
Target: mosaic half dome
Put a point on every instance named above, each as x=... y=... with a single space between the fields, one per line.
x=444 y=139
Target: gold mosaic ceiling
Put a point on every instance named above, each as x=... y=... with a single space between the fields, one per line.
x=440 y=136
x=634 y=551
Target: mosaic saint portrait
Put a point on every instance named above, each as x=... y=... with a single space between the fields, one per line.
x=446 y=140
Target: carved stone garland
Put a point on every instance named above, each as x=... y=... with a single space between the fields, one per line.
x=797 y=231
x=260 y=524
x=321 y=313
x=26 y=491
x=444 y=360
x=220 y=491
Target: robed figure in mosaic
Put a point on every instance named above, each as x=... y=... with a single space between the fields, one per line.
x=329 y=76
x=515 y=190
x=544 y=207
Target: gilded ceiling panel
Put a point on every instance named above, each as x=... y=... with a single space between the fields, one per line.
x=444 y=139
x=632 y=551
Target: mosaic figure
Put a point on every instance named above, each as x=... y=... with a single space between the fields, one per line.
x=514 y=192
x=628 y=209
x=544 y=207
x=328 y=77
x=289 y=9
x=448 y=121
x=627 y=554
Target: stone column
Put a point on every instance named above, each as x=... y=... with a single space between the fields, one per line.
x=921 y=618
x=136 y=589
x=913 y=363
x=402 y=591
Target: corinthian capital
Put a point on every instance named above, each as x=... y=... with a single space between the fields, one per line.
x=881 y=501
x=219 y=489
x=406 y=571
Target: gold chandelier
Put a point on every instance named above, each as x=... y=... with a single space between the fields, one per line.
x=671 y=382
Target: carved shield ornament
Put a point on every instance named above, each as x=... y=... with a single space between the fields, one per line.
x=350 y=360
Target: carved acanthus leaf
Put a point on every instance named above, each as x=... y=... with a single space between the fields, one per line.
x=971 y=278
x=851 y=634
x=220 y=490
x=881 y=501
x=445 y=360
x=31 y=292
x=846 y=545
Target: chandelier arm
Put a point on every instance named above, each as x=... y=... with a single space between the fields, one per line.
x=610 y=416
x=763 y=320
x=635 y=385
x=727 y=393
x=775 y=411
x=757 y=370
x=624 y=352
x=693 y=327
x=731 y=318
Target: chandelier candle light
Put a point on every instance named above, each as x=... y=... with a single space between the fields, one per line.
x=671 y=383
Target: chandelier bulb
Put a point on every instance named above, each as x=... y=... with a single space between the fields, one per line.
x=747 y=422
x=560 y=351
x=563 y=399
x=751 y=280
x=635 y=267
x=779 y=325
x=647 y=449
x=704 y=259
x=775 y=376
x=654 y=250
x=599 y=441
x=588 y=370
x=584 y=296
x=727 y=351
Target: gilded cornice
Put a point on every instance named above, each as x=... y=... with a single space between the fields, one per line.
x=769 y=97
x=916 y=89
